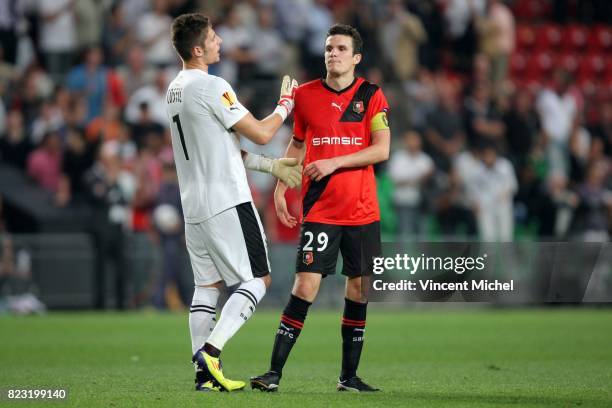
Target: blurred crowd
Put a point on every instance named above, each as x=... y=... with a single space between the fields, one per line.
x=477 y=151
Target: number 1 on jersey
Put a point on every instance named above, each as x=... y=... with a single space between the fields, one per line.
x=177 y=120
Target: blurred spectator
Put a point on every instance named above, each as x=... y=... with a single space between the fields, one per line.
x=269 y=49
x=44 y=164
x=580 y=142
x=557 y=109
x=236 y=49
x=116 y=37
x=133 y=10
x=430 y=14
x=153 y=34
x=34 y=87
x=603 y=129
x=482 y=120
x=178 y=7
x=497 y=35
x=108 y=189
x=401 y=35
x=248 y=12
x=16 y=286
x=136 y=73
x=491 y=191
x=128 y=151
x=556 y=208
x=454 y=215
x=75 y=113
x=444 y=129
x=11 y=12
x=148 y=173
x=423 y=97
x=57 y=41
x=154 y=97
x=14 y=145
x=460 y=16
x=89 y=22
x=50 y=119
x=168 y=222
x=90 y=80
x=144 y=125
x=365 y=20
x=410 y=168
x=78 y=158
x=105 y=127
x=594 y=213
x=522 y=128
x=291 y=21
x=318 y=19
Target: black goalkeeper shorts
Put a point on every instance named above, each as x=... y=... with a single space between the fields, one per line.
x=320 y=244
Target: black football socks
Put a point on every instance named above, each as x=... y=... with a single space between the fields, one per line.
x=291 y=323
x=353 y=331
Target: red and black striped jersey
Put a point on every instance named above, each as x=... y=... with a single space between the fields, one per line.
x=337 y=123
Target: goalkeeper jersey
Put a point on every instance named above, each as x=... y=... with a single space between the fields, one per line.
x=336 y=123
x=202 y=109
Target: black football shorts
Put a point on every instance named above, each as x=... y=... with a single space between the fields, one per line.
x=320 y=243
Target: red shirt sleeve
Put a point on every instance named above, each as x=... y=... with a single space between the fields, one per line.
x=377 y=104
x=299 y=127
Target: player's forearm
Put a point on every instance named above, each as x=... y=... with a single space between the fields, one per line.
x=259 y=131
x=370 y=155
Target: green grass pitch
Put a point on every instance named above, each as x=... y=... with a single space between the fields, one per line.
x=420 y=358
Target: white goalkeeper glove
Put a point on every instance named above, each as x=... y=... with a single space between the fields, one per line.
x=286 y=101
x=285 y=169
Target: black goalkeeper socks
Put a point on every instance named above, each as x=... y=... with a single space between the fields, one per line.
x=353 y=331
x=292 y=321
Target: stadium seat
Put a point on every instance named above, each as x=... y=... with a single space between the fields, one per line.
x=591 y=66
x=569 y=61
x=548 y=37
x=531 y=9
x=539 y=65
x=600 y=39
x=525 y=37
x=518 y=62
x=574 y=37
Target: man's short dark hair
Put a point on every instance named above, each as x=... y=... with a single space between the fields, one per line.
x=345 y=29
x=188 y=31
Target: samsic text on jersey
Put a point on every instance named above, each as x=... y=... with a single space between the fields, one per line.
x=336 y=123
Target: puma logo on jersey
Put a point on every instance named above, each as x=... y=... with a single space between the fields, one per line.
x=337 y=140
x=335 y=105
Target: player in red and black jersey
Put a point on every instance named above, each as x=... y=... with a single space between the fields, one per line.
x=340 y=131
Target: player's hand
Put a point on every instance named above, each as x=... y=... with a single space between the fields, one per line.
x=280 y=204
x=320 y=168
x=287 y=93
x=288 y=171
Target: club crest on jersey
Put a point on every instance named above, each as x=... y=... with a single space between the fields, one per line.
x=308 y=258
x=228 y=99
x=358 y=107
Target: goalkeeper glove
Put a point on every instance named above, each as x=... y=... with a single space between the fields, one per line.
x=287 y=92
x=285 y=169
